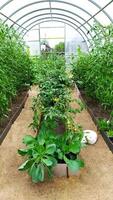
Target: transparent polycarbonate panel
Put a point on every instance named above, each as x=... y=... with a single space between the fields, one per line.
x=52 y=33
x=9 y=23
x=53 y=42
x=47 y=20
x=73 y=40
x=16 y=26
x=68 y=7
x=68 y=13
x=67 y=18
x=101 y=3
x=33 y=35
x=34 y=20
x=109 y=10
x=2 y=17
x=52 y=24
x=32 y=16
x=85 y=4
x=2 y=2
x=34 y=47
x=31 y=10
x=102 y=19
x=80 y=8
x=35 y=16
x=15 y=5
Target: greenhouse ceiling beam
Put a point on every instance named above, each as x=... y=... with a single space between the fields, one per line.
x=63 y=2
x=91 y=1
x=74 y=25
x=13 y=21
x=95 y=14
x=57 y=18
x=59 y=9
x=98 y=6
x=5 y=4
x=59 y=14
x=47 y=20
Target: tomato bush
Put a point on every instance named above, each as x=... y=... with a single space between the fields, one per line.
x=15 y=66
x=93 y=71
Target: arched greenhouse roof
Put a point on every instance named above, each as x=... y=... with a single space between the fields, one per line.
x=81 y=15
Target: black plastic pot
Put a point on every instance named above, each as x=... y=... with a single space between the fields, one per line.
x=70 y=156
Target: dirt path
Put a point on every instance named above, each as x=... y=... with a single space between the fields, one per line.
x=95 y=182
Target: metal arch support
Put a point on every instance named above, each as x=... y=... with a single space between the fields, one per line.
x=59 y=9
x=58 y=21
x=5 y=4
x=91 y=1
x=37 y=2
x=94 y=3
x=98 y=6
x=59 y=15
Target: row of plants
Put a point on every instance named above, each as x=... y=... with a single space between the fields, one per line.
x=15 y=64
x=106 y=125
x=58 y=138
x=93 y=71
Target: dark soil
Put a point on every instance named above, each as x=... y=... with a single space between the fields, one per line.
x=13 y=108
x=111 y=139
x=96 y=108
x=70 y=156
x=60 y=127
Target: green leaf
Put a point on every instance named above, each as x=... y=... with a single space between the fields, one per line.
x=41 y=140
x=22 y=152
x=26 y=165
x=54 y=161
x=50 y=149
x=75 y=165
x=47 y=162
x=28 y=139
x=75 y=147
x=37 y=173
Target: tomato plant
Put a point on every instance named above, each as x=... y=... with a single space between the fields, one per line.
x=15 y=66
x=93 y=71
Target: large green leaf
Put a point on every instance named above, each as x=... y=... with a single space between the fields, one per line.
x=75 y=165
x=48 y=162
x=26 y=165
x=50 y=149
x=75 y=147
x=22 y=152
x=28 y=139
x=54 y=161
x=37 y=173
x=41 y=139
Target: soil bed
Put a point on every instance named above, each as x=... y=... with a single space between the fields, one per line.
x=14 y=110
x=97 y=111
x=95 y=107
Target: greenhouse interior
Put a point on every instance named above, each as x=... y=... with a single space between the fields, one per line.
x=56 y=100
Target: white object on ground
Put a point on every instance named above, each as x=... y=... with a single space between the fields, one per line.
x=89 y=137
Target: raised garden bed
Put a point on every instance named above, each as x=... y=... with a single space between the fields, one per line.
x=96 y=111
x=16 y=108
